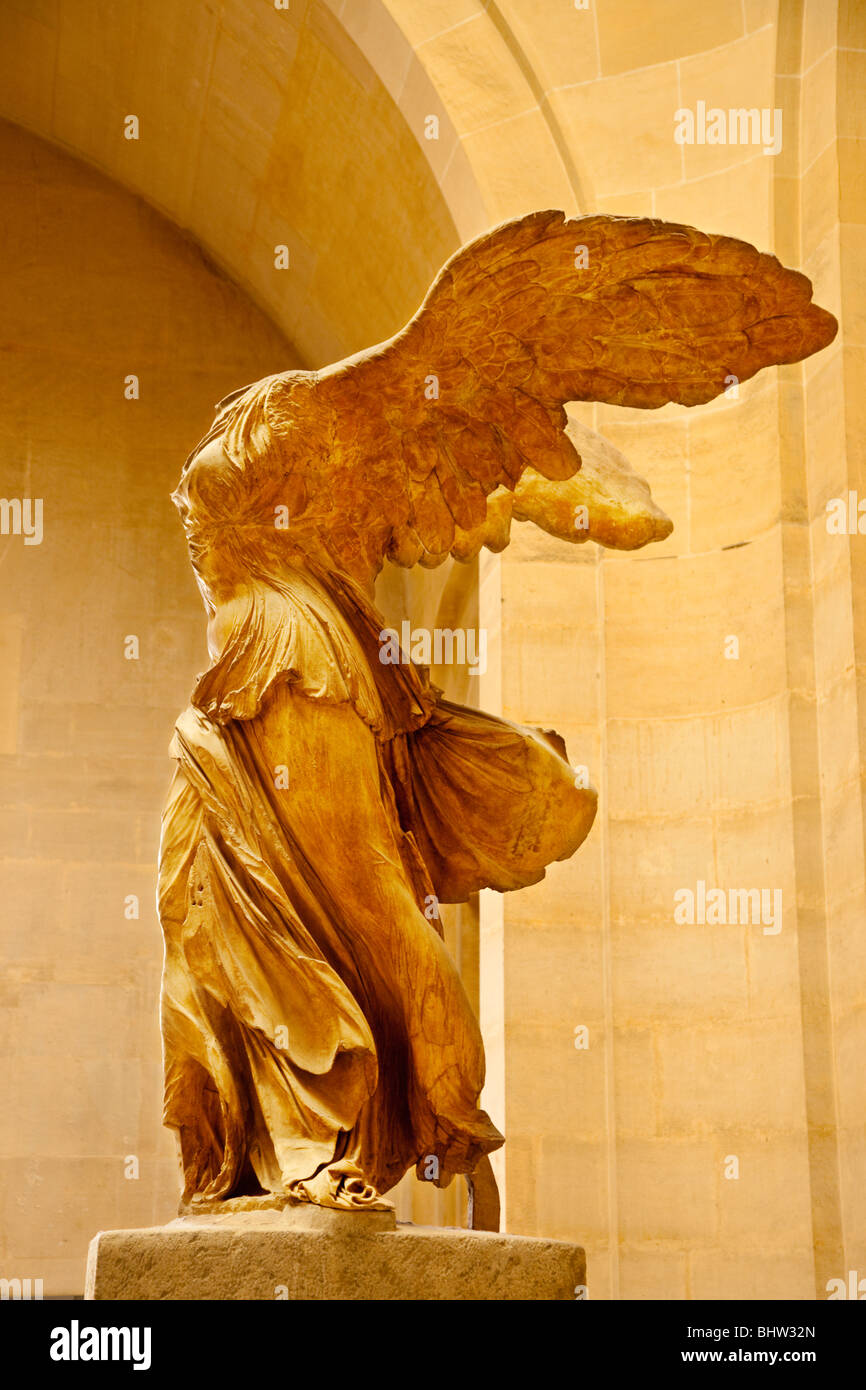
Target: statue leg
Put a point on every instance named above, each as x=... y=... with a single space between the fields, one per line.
x=356 y=897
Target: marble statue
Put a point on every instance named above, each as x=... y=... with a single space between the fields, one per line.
x=318 y=1041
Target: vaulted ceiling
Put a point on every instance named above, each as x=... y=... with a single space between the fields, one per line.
x=258 y=127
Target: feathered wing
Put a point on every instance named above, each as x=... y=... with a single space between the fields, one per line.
x=606 y=502
x=401 y=446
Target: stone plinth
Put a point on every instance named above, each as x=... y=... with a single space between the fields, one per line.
x=310 y=1253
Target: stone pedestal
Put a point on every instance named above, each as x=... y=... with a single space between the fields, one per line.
x=310 y=1253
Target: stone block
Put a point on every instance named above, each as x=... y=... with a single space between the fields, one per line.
x=311 y=1254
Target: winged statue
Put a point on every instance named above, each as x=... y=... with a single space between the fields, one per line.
x=318 y=1041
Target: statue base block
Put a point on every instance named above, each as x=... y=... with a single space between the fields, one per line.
x=310 y=1253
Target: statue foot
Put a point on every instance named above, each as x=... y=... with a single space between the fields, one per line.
x=341 y=1186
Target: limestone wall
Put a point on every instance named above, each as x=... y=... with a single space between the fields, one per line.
x=707 y=1044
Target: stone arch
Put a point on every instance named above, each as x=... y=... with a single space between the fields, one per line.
x=258 y=127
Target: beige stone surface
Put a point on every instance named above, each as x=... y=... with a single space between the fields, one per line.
x=734 y=199
x=349 y=1256
x=258 y=127
x=648 y=158
x=686 y=29
x=60 y=63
